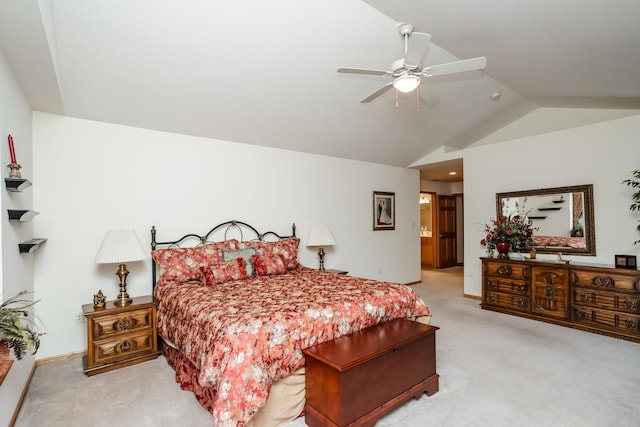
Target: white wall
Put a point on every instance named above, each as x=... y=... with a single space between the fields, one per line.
x=91 y=177
x=16 y=269
x=602 y=154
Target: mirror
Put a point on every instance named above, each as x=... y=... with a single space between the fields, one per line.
x=563 y=217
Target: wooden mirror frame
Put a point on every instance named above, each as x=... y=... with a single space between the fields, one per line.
x=589 y=223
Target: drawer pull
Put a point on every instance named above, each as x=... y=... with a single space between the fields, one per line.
x=491 y=297
x=492 y=284
x=604 y=281
x=630 y=324
x=520 y=288
x=582 y=315
x=630 y=303
x=124 y=323
x=519 y=302
x=504 y=270
x=583 y=297
x=125 y=346
x=548 y=291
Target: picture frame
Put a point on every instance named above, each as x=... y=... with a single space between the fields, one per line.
x=626 y=261
x=384 y=211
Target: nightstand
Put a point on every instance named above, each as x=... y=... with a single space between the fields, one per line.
x=331 y=270
x=120 y=336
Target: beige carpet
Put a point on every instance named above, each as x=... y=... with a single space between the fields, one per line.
x=495 y=370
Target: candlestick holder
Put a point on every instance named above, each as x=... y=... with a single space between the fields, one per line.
x=14 y=170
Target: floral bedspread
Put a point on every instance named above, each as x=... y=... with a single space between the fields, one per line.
x=246 y=334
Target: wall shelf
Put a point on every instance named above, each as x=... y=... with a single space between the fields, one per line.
x=30 y=245
x=21 y=215
x=16 y=184
x=550 y=209
x=536 y=217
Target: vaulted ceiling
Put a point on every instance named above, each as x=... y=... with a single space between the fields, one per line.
x=264 y=73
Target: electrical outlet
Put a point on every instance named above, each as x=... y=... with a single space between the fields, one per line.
x=79 y=318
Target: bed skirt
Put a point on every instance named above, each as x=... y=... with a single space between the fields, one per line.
x=284 y=404
x=286 y=397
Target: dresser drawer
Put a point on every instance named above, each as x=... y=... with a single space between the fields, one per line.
x=610 y=279
x=507 y=300
x=109 y=325
x=507 y=270
x=622 y=322
x=506 y=285
x=607 y=300
x=123 y=347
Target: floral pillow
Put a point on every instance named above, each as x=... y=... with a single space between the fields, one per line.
x=224 y=272
x=245 y=253
x=265 y=265
x=183 y=264
x=286 y=248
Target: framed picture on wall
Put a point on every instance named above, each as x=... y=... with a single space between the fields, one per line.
x=384 y=211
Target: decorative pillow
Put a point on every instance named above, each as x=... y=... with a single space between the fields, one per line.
x=287 y=248
x=183 y=264
x=245 y=254
x=224 y=272
x=265 y=265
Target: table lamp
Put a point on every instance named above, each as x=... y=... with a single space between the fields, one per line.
x=321 y=236
x=120 y=247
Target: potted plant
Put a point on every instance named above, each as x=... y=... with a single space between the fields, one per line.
x=635 y=206
x=18 y=331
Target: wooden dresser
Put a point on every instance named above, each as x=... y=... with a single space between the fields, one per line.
x=599 y=299
x=355 y=379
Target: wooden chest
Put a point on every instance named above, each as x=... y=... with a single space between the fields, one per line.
x=355 y=379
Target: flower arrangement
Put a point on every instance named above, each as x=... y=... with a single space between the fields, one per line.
x=516 y=230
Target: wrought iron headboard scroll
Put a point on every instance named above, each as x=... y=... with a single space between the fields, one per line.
x=222 y=228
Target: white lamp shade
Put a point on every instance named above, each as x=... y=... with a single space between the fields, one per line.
x=120 y=246
x=406 y=83
x=320 y=236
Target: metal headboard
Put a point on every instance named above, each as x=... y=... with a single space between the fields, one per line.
x=220 y=229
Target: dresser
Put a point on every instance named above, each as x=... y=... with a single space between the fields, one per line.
x=120 y=336
x=599 y=299
x=355 y=379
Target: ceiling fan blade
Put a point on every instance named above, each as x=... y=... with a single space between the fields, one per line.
x=364 y=71
x=377 y=93
x=416 y=49
x=455 y=67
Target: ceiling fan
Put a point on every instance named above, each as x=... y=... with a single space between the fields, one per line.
x=408 y=72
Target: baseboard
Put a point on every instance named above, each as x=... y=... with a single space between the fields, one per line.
x=472 y=296
x=59 y=358
x=22 y=396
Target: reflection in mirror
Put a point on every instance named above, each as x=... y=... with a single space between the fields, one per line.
x=563 y=217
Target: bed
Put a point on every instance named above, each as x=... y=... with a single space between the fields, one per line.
x=236 y=309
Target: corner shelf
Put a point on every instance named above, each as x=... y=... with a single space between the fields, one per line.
x=30 y=245
x=21 y=215
x=17 y=184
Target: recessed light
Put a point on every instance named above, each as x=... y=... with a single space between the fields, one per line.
x=496 y=95
x=453 y=173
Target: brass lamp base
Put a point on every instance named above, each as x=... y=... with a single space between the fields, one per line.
x=321 y=256
x=123 y=298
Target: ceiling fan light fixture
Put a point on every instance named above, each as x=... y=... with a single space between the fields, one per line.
x=406 y=83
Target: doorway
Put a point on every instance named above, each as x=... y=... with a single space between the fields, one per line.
x=427 y=221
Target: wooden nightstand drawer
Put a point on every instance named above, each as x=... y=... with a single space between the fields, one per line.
x=106 y=326
x=120 y=336
x=124 y=347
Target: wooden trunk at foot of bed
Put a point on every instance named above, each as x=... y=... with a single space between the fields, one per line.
x=356 y=379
